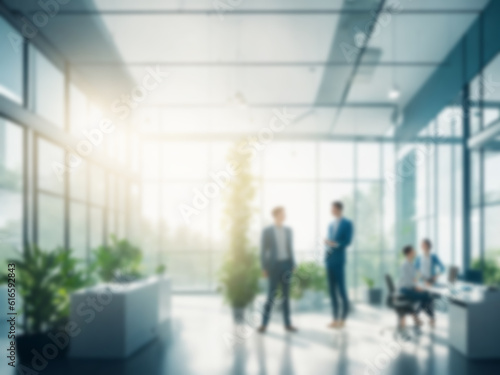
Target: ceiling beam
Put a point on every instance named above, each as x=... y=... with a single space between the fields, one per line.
x=274 y=105
x=289 y=136
x=244 y=64
x=255 y=12
x=358 y=60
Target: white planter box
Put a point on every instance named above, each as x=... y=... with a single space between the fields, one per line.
x=165 y=298
x=4 y=304
x=114 y=320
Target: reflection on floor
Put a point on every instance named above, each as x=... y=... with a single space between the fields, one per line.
x=201 y=339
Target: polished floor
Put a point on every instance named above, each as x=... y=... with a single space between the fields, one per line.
x=201 y=339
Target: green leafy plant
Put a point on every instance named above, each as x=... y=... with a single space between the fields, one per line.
x=370 y=283
x=45 y=280
x=117 y=260
x=308 y=276
x=490 y=269
x=239 y=276
x=240 y=272
x=161 y=269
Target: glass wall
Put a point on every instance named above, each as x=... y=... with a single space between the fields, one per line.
x=438 y=196
x=47 y=88
x=11 y=63
x=67 y=202
x=11 y=189
x=485 y=164
x=305 y=177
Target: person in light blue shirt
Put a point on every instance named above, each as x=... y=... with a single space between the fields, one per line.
x=410 y=290
x=428 y=265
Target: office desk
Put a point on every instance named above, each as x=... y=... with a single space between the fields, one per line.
x=474 y=327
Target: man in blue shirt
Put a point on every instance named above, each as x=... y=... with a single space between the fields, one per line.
x=340 y=233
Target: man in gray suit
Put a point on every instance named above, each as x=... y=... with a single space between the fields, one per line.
x=277 y=261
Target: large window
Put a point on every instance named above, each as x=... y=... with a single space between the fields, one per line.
x=11 y=63
x=78 y=110
x=485 y=164
x=47 y=89
x=11 y=186
x=50 y=196
x=78 y=187
x=97 y=201
x=305 y=177
x=66 y=203
x=438 y=193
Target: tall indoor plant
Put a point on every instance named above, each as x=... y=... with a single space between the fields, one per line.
x=239 y=275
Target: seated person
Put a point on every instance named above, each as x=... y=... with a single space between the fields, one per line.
x=428 y=265
x=409 y=289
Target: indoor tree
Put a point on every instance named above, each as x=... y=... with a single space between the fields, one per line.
x=239 y=275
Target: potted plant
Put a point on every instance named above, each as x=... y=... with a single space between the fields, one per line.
x=374 y=295
x=239 y=276
x=240 y=272
x=490 y=269
x=44 y=280
x=161 y=269
x=119 y=261
x=309 y=285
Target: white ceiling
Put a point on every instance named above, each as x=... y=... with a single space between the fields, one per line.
x=229 y=98
x=412 y=39
x=419 y=40
x=144 y=38
x=282 y=4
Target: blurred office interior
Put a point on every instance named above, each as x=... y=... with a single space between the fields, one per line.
x=117 y=123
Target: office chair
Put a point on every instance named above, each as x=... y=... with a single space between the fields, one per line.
x=398 y=302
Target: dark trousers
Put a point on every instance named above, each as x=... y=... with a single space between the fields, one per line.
x=424 y=299
x=280 y=274
x=336 y=284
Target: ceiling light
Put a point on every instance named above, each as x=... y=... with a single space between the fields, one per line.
x=394 y=93
x=240 y=100
x=360 y=39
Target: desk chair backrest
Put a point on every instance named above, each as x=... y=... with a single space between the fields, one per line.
x=390 y=284
x=453 y=274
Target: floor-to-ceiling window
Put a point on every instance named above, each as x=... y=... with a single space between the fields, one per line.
x=485 y=163
x=11 y=63
x=436 y=189
x=70 y=198
x=11 y=189
x=305 y=177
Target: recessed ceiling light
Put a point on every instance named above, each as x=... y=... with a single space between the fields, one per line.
x=394 y=93
x=359 y=39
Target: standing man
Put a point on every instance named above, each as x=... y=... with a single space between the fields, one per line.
x=277 y=261
x=340 y=233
